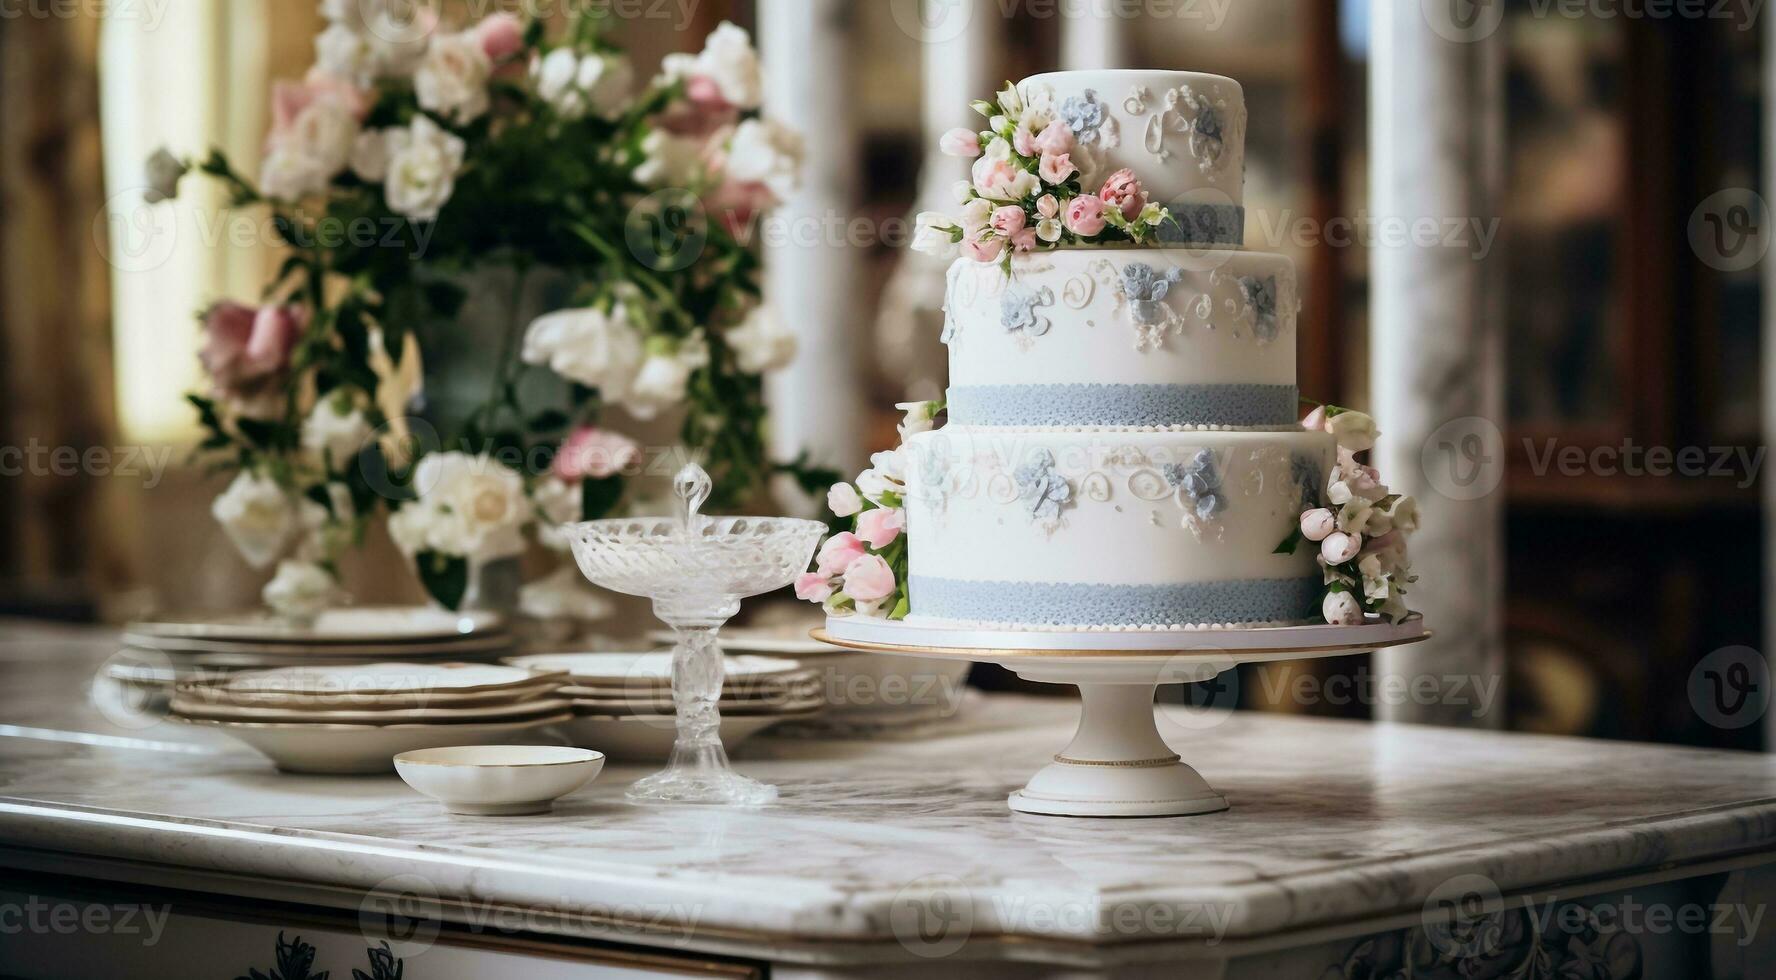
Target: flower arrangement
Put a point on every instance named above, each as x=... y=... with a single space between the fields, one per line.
x=491 y=145
x=1035 y=183
x=864 y=570
x=1360 y=526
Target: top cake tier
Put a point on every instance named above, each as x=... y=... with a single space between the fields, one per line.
x=1183 y=133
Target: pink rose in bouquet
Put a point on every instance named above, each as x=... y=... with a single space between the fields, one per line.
x=594 y=453
x=1125 y=193
x=1085 y=215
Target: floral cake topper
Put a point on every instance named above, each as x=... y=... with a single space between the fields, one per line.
x=1034 y=185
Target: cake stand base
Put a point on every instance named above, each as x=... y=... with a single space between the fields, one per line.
x=1117 y=765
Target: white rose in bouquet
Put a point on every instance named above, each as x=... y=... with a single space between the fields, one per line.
x=423 y=160
x=334 y=435
x=469 y=506
x=310 y=151
x=344 y=53
x=300 y=590
x=661 y=382
x=556 y=77
x=729 y=61
x=370 y=155
x=760 y=342
x=452 y=78
x=668 y=160
x=933 y=235
x=764 y=152
x=258 y=516
x=587 y=345
x=608 y=82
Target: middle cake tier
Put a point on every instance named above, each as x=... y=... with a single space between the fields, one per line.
x=1130 y=338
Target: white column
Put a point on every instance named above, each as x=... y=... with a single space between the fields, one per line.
x=811 y=273
x=956 y=40
x=1435 y=336
x=1091 y=37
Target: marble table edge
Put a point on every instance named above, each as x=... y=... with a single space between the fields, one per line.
x=816 y=913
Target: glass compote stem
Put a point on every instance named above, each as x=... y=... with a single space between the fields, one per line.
x=696 y=570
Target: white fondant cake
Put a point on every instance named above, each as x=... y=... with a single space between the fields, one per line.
x=1122 y=449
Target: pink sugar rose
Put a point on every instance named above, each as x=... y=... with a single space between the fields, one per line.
x=500 y=35
x=869 y=579
x=1056 y=137
x=1124 y=191
x=813 y=587
x=881 y=525
x=839 y=552
x=1008 y=220
x=983 y=249
x=1023 y=140
x=960 y=142
x=595 y=453
x=1315 y=421
x=1024 y=240
x=1055 y=168
x=1047 y=206
x=1085 y=215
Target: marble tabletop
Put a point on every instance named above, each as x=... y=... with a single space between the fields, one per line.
x=1331 y=822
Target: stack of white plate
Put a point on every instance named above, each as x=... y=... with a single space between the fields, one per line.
x=622 y=702
x=357 y=718
x=159 y=654
x=864 y=691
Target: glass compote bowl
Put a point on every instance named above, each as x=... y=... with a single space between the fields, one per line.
x=696 y=569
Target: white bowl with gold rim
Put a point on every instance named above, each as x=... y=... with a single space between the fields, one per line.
x=498 y=780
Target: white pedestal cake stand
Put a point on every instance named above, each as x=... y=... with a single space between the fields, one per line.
x=1117 y=764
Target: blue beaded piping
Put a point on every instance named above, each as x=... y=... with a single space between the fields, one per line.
x=1091 y=604
x=1134 y=406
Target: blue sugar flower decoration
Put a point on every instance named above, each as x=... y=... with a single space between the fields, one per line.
x=1198 y=484
x=1261 y=296
x=1019 y=306
x=1040 y=488
x=1145 y=289
x=1085 y=116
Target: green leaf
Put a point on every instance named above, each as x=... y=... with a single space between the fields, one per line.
x=548 y=420
x=599 y=496
x=900 y=609
x=445 y=577
x=1290 y=543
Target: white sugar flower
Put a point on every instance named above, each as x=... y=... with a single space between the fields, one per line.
x=258 y=516
x=555 y=76
x=668 y=160
x=886 y=475
x=589 y=346
x=919 y=417
x=962 y=191
x=300 y=590
x=423 y=161
x=344 y=53
x=469 y=506
x=1354 y=431
x=1354 y=516
x=452 y=78
x=933 y=234
x=760 y=342
x=764 y=152
x=664 y=376
x=1404 y=514
x=1342 y=609
x=334 y=435
x=1010 y=101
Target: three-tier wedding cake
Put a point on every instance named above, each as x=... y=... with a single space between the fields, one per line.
x=1123 y=448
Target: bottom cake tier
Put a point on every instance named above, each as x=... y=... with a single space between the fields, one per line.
x=1112 y=529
